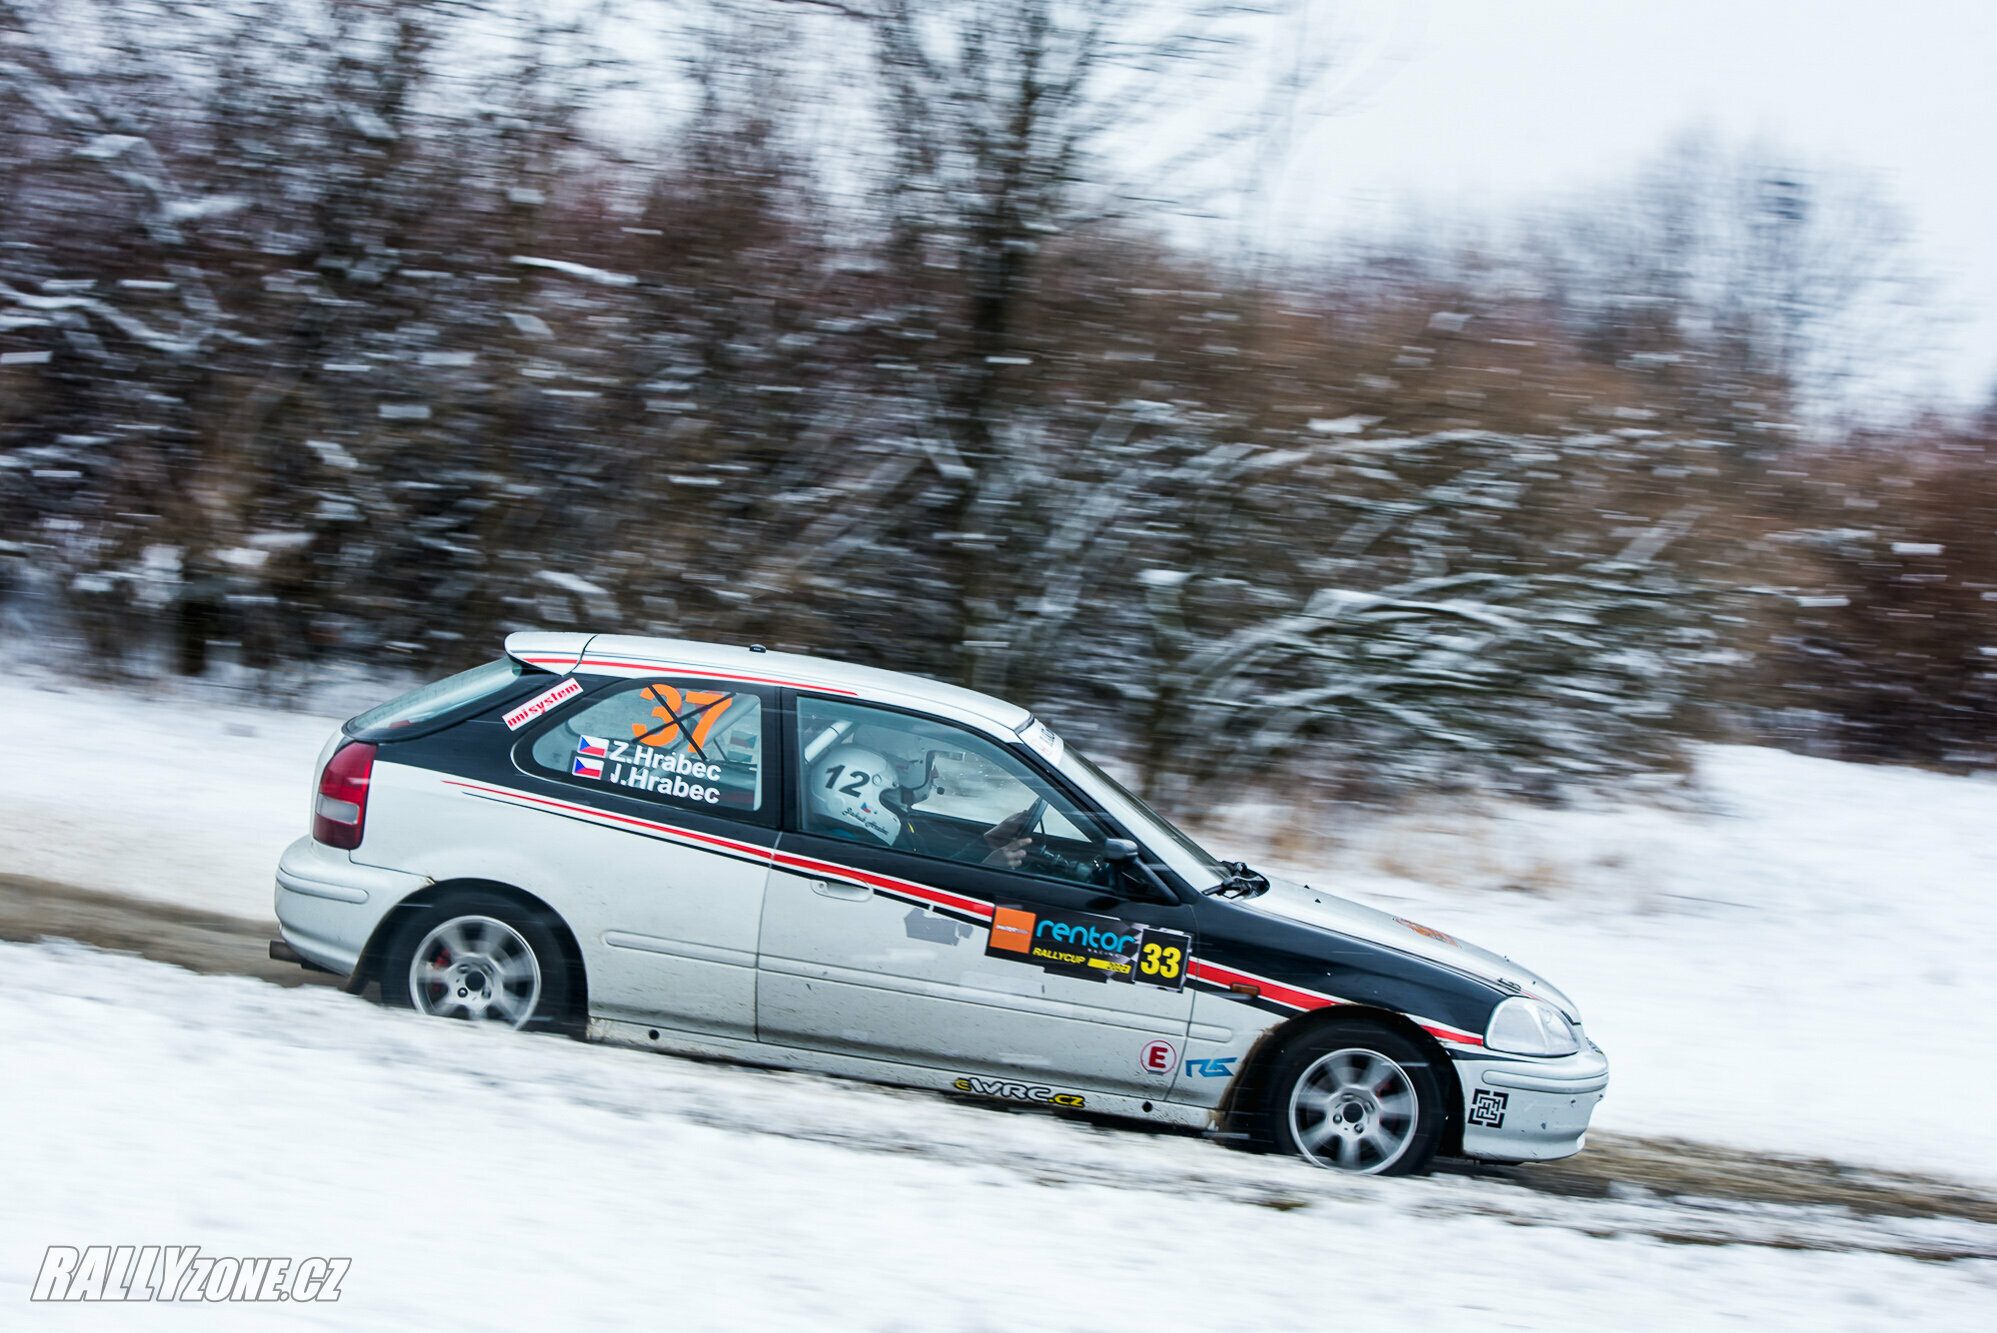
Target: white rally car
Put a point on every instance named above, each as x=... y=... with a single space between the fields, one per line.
x=797 y=862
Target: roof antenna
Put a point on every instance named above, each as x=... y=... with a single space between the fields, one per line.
x=757 y=648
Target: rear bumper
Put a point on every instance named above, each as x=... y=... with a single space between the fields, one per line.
x=1530 y=1110
x=328 y=907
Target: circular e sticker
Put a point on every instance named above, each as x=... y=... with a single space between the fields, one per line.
x=1159 y=1057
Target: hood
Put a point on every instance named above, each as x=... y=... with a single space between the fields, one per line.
x=1314 y=907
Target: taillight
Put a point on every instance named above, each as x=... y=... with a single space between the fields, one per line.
x=343 y=795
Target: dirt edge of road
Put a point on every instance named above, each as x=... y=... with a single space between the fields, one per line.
x=211 y=942
x=1613 y=1166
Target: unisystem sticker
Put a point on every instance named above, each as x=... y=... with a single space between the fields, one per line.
x=541 y=703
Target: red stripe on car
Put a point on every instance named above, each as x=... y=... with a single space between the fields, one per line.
x=940 y=897
x=1298 y=998
x=1201 y=970
x=760 y=853
x=700 y=673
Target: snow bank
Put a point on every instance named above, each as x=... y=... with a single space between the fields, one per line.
x=175 y=799
x=482 y=1178
x=1800 y=969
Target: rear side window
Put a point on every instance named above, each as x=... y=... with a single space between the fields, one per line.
x=440 y=697
x=682 y=745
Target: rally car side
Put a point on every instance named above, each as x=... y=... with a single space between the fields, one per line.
x=445 y=820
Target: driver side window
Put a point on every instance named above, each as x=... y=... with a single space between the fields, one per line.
x=934 y=789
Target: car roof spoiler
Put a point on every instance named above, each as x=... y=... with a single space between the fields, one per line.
x=537 y=651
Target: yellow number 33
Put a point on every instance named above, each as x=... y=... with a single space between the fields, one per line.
x=1160 y=960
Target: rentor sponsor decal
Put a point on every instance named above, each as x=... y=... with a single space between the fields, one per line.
x=1015 y=1091
x=1012 y=931
x=1094 y=948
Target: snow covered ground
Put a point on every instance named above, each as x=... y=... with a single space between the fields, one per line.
x=1802 y=969
x=159 y=792
x=480 y=1179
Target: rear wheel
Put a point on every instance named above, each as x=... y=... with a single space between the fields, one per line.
x=1358 y=1097
x=481 y=958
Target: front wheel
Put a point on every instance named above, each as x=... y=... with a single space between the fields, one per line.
x=1357 y=1097
x=478 y=957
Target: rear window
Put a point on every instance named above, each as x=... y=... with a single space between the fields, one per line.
x=701 y=748
x=440 y=697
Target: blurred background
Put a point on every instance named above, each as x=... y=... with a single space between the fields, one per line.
x=1488 y=459
x=1029 y=345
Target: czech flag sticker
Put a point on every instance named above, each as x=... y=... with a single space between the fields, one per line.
x=588 y=768
x=595 y=747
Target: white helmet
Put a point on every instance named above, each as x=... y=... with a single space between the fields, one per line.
x=846 y=786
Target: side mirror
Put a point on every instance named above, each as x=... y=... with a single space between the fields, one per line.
x=1127 y=856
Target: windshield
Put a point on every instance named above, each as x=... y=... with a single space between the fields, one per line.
x=1187 y=858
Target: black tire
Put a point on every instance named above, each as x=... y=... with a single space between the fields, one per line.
x=1356 y=1096
x=463 y=931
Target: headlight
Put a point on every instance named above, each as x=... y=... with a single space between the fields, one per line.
x=1531 y=1027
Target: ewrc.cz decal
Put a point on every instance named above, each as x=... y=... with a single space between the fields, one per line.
x=1018 y=1092
x=1220 y=1068
x=1095 y=948
x=1487 y=1108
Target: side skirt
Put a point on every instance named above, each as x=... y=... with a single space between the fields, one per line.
x=1026 y=1090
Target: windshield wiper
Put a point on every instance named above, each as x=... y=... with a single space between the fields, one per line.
x=1241 y=882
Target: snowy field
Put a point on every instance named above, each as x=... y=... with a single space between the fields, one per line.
x=1787 y=970
x=1798 y=969
x=479 y=1179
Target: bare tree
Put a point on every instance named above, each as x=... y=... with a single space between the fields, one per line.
x=1774 y=276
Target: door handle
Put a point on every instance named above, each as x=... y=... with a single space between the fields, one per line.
x=853 y=893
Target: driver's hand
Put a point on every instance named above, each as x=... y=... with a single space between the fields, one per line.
x=1009 y=828
x=1011 y=854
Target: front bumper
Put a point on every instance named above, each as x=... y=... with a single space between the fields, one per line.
x=1528 y=1108
x=328 y=907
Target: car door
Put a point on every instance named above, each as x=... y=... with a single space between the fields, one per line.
x=927 y=948
x=658 y=812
